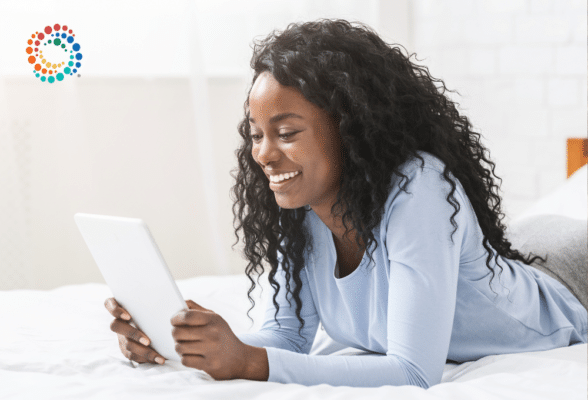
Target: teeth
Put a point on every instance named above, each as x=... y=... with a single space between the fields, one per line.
x=282 y=177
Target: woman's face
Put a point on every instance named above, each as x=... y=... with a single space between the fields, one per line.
x=290 y=134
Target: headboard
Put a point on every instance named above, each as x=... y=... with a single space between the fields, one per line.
x=577 y=154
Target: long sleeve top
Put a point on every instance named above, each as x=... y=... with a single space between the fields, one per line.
x=423 y=302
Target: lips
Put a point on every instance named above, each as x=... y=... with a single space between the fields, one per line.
x=285 y=184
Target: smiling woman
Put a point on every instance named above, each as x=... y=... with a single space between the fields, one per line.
x=338 y=126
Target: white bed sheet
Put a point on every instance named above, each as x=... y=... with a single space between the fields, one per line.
x=57 y=345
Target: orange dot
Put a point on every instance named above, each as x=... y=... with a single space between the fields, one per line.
x=30 y=41
x=33 y=35
x=32 y=59
x=38 y=67
x=29 y=50
x=50 y=72
x=44 y=70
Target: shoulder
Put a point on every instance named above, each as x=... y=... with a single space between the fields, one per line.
x=425 y=179
x=426 y=161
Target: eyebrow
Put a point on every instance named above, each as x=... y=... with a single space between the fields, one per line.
x=279 y=117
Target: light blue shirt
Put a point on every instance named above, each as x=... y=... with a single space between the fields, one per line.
x=425 y=301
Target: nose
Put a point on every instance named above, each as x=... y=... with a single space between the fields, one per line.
x=267 y=151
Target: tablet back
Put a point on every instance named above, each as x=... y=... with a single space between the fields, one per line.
x=136 y=273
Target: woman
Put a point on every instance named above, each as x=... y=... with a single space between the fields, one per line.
x=362 y=187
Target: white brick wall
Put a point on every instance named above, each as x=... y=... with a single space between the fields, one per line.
x=520 y=66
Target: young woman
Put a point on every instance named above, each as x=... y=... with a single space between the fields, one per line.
x=363 y=188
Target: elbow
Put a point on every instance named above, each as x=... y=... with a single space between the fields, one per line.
x=415 y=376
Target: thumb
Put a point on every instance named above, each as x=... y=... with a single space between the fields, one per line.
x=193 y=306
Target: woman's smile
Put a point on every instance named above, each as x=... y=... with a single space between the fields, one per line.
x=282 y=185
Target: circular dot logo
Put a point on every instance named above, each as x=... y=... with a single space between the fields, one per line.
x=62 y=53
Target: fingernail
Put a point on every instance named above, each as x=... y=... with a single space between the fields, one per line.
x=159 y=360
x=126 y=316
x=144 y=341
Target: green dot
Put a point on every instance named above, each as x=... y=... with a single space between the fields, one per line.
x=59 y=76
x=63 y=46
x=43 y=79
x=67 y=70
x=57 y=42
x=49 y=41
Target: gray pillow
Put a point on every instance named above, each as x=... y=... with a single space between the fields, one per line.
x=564 y=240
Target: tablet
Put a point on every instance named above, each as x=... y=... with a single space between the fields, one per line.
x=137 y=275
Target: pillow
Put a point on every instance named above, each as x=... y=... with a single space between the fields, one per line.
x=570 y=199
x=565 y=242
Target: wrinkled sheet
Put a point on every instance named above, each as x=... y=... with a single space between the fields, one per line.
x=57 y=344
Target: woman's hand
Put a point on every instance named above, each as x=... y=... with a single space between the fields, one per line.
x=133 y=343
x=205 y=341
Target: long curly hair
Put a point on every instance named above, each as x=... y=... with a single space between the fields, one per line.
x=387 y=108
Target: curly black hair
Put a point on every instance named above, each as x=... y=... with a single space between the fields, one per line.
x=387 y=108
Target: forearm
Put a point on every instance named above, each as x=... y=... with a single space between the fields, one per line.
x=355 y=371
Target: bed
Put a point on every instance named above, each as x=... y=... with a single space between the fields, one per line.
x=57 y=344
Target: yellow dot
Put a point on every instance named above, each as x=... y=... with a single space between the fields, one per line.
x=54 y=66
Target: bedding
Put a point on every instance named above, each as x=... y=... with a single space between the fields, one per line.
x=57 y=344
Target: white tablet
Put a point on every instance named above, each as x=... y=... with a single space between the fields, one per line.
x=137 y=275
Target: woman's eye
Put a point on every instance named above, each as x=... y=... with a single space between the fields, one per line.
x=282 y=136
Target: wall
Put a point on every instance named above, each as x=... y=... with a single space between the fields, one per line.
x=149 y=129
x=520 y=66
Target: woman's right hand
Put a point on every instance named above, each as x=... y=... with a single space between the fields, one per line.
x=133 y=343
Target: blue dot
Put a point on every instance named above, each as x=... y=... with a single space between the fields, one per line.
x=51 y=34
x=78 y=65
x=63 y=35
x=75 y=70
x=76 y=47
x=78 y=56
x=70 y=39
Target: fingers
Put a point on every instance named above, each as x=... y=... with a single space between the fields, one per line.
x=193 y=348
x=137 y=352
x=192 y=317
x=123 y=328
x=193 y=306
x=188 y=333
x=116 y=310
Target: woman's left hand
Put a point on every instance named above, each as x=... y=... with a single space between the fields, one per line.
x=205 y=341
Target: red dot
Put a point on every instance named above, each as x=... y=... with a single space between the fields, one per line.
x=70 y=31
x=44 y=70
x=48 y=29
x=29 y=41
x=29 y=50
x=32 y=59
x=38 y=67
x=37 y=43
x=56 y=27
x=40 y=36
x=64 y=27
x=36 y=49
x=74 y=34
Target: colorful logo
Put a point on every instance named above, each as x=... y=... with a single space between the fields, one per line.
x=53 y=65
